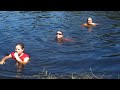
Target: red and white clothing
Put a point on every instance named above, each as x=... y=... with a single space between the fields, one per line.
x=21 y=57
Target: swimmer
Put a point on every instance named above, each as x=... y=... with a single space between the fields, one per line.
x=18 y=55
x=89 y=22
x=60 y=37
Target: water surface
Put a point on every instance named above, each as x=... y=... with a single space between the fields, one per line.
x=98 y=49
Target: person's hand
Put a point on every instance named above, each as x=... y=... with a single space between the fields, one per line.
x=2 y=62
x=16 y=54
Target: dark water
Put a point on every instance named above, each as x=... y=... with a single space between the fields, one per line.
x=98 y=49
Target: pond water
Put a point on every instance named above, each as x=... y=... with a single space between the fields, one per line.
x=97 y=49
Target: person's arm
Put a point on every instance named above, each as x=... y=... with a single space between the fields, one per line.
x=5 y=58
x=25 y=61
x=68 y=40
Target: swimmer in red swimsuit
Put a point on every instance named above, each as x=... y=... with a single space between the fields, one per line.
x=19 y=55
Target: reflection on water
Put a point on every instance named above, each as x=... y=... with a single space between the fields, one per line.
x=97 y=47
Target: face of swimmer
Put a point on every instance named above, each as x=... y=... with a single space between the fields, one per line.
x=19 y=49
x=59 y=34
x=89 y=21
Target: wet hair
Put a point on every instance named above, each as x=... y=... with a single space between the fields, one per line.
x=21 y=44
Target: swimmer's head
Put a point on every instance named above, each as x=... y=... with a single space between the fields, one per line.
x=19 y=48
x=59 y=34
x=89 y=20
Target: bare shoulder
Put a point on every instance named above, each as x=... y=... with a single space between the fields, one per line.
x=85 y=24
x=26 y=59
x=94 y=24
